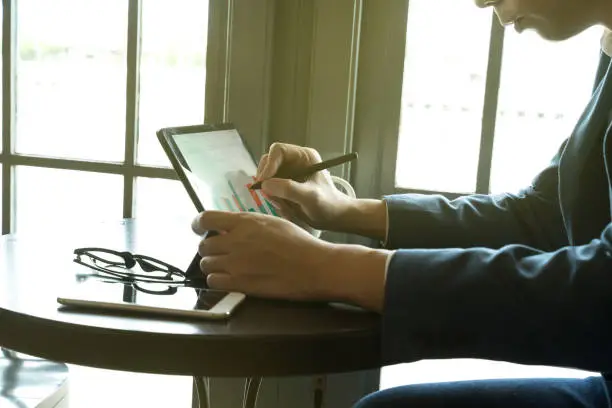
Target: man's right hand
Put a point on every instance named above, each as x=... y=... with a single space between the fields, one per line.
x=316 y=202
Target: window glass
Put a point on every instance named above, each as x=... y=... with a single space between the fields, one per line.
x=447 y=45
x=71 y=75
x=173 y=71
x=50 y=197
x=163 y=200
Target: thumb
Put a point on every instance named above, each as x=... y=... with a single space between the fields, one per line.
x=286 y=189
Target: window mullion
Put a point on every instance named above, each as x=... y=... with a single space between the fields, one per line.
x=132 y=103
x=489 y=113
x=217 y=60
x=9 y=42
x=333 y=77
x=379 y=95
x=248 y=81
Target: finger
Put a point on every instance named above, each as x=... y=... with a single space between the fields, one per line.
x=262 y=163
x=275 y=203
x=195 y=225
x=280 y=154
x=215 y=221
x=273 y=162
x=220 y=281
x=286 y=213
x=294 y=213
x=280 y=211
x=278 y=204
x=213 y=264
x=286 y=189
x=217 y=245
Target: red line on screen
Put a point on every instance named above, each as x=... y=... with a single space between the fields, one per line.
x=254 y=195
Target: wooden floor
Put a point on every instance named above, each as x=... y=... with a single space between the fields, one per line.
x=94 y=388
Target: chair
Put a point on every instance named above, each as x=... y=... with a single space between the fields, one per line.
x=29 y=382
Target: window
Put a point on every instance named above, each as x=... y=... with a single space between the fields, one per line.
x=448 y=123
x=93 y=80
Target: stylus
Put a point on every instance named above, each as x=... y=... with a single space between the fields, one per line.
x=301 y=176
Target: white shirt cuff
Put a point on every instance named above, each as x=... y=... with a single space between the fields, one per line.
x=391 y=253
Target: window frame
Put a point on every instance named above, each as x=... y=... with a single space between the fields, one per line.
x=235 y=28
x=315 y=70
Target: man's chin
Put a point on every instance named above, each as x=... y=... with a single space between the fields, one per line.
x=551 y=33
x=553 y=36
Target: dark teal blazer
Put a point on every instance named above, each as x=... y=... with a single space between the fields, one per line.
x=524 y=277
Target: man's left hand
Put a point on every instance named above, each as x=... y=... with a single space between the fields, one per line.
x=262 y=255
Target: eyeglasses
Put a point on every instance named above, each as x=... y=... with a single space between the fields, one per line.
x=120 y=265
x=150 y=288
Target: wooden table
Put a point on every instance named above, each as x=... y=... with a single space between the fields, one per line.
x=263 y=338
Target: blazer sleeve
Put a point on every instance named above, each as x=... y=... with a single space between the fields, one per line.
x=532 y=217
x=516 y=303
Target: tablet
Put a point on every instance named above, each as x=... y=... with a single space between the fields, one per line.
x=216 y=168
x=152 y=298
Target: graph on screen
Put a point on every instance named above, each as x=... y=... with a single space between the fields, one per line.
x=221 y=171
x=237 y=196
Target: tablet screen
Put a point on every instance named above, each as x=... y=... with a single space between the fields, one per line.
x=220 y=170
x=145 y=294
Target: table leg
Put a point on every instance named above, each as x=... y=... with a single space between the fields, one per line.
x=251 y=389
x=201 y=393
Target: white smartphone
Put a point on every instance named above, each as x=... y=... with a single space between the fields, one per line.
x=152 y=298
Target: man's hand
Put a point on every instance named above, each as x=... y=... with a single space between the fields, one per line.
x=315 y=202
x=262 y=255
x=270 y=257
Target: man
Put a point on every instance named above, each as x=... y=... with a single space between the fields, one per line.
x=525 y=278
